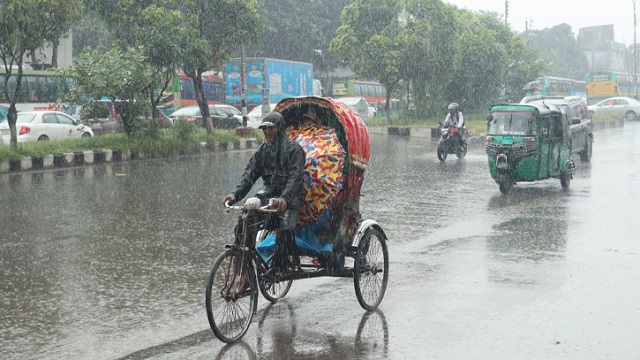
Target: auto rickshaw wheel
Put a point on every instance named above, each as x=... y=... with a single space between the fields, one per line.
x=442 y=154
x=565 y=180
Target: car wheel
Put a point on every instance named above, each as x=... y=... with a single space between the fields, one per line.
x=43 y=138
x=585 y=155
x=86 y=134
x=630 y=115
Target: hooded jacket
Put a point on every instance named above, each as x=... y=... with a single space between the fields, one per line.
x=280 y=164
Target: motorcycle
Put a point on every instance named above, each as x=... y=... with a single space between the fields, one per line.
x=449 y=143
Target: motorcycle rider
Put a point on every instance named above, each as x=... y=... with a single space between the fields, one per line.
x=455 y=118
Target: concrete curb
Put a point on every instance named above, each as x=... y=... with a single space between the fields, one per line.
x=100 y=156
x=473 y=142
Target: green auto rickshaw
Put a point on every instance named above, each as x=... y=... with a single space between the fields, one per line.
x=528 y=142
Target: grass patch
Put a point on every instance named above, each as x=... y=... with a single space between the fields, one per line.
x=169 y=142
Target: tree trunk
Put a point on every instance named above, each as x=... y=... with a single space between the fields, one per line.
x=202 y=101
x=54 y=54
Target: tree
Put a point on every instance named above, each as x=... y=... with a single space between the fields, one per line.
x=559 y=47
x=301 y=31
x=160 y=26
x=368 y=40
x=120 y=76
x=219 y=27
x=27 y=25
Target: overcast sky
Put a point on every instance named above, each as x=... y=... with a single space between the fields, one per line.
x=542 y=14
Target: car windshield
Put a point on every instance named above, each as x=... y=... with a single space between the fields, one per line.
x=230 y=110
x=25 y=118
x=512 y=123
x=187 y=111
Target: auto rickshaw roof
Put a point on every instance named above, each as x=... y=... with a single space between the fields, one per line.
x=538 y=108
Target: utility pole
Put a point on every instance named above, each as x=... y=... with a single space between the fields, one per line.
x=506 y=11
x=243 y=84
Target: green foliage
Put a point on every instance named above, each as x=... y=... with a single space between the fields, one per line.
x=184 y=130
x=121 y=76
x=560 y=49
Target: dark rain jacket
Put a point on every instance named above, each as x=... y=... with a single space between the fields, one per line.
x=280 y=164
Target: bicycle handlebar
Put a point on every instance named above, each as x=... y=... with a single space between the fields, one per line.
x=252 y=204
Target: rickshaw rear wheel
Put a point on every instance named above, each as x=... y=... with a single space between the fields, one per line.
x=274 y=289
x=442 y=155
x=232 y=296
x=371 y=269
x=271 y=288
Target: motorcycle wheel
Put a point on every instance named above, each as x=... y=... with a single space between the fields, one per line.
x=462 y=150
x=442 y=154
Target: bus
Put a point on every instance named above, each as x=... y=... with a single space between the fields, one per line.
x=39 y=90
x=555 y=86
x=372 y=91
x=605 y=84
x=181 y=92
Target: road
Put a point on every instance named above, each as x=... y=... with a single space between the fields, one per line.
x=110 y=262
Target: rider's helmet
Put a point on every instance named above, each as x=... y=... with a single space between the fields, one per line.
x=453 y=107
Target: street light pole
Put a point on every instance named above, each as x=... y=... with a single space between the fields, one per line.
x=635 y=80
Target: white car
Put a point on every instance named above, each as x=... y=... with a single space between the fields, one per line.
x=44 y=125
x=255 y=116
x=230 y=110
x=619 y=105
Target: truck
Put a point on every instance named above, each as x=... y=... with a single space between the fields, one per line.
x=267 y=80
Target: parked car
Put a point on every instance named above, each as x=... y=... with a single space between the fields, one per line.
x=3 y=112
x=44 y=125
x=255 y=116
x=576 y=113
x=102 y=116
x=624 y=106
x=220 y=118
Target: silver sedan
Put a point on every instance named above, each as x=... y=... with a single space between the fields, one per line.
x=619 y=105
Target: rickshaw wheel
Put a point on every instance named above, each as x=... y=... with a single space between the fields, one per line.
x=371 y=269
x=273 y=289
x=565 y=181
x=232 y=296
x=442 y=155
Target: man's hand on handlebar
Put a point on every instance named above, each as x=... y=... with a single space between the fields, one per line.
x=230 y=198
x=279 y=203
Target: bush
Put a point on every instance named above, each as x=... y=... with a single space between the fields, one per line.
x=184 y=130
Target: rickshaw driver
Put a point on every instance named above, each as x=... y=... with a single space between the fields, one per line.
x=455 y=117
x=280 y=163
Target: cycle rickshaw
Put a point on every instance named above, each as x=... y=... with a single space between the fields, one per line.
x=336 y=142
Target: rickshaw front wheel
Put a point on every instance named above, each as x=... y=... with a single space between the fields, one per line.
x=565 y=180
x=371 y=269
x=232 y=296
